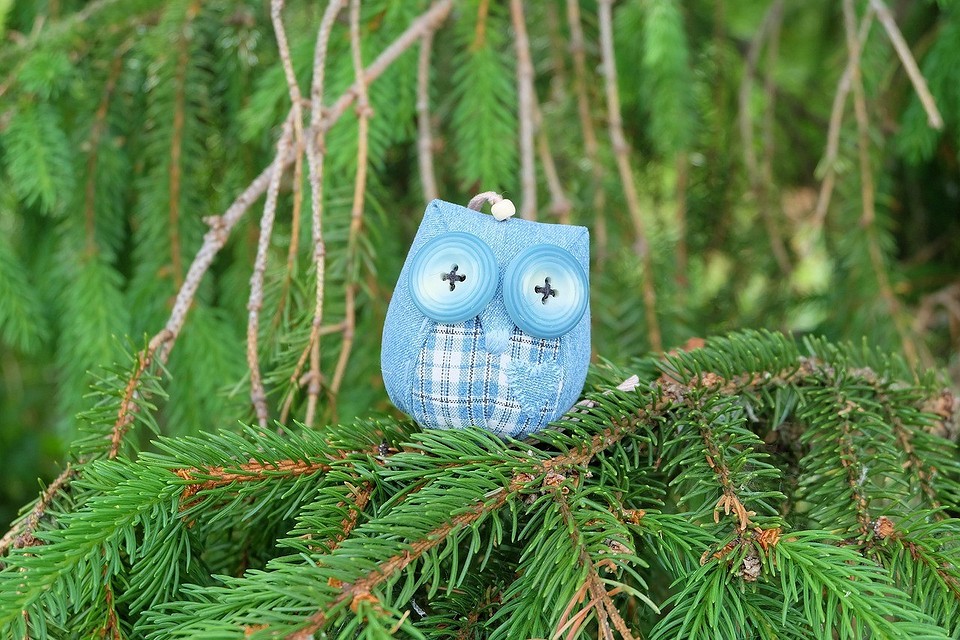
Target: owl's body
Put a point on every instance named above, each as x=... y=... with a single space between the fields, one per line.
x=453 y=355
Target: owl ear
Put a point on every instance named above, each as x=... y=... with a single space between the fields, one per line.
x=438 y=213
x=578 y=244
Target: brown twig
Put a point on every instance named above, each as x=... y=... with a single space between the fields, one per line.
x=934 y=119
x=428 y=179
x=621 y=152
x=526 y=111
x=590 y=145
x=214 y=477
x=356 y=211
x=21 y=534
x=867 y=189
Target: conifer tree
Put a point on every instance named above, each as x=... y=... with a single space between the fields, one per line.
x=204 y=206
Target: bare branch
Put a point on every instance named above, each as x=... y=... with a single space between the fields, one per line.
x=356 y=212
x=21 y=534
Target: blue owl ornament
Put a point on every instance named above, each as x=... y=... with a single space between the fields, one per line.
x=489 y=324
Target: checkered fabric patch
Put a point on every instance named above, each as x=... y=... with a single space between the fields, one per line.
x=459 y=384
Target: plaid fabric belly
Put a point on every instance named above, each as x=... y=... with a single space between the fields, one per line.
x=459 y=384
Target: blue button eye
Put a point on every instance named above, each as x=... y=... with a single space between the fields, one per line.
x=453 y=277
x=545 y=291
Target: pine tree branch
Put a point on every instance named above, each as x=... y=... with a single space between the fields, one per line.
x=934 y=119
x=526 y=110
x=428 y=180
x=590 y=145
x=364 y=113
x=621 y=152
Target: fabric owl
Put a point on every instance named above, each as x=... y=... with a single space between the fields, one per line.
x=489 y=324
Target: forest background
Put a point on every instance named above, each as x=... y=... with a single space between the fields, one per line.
x=750 y=164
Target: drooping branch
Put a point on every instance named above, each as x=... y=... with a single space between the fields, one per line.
x=590 y=145
x=428 y=179
x=621 y=150
x=364 y=112
x=934 y=119
x=526 y=111
x=868 y=191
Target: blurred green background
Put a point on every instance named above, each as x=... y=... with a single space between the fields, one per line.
x=124 y=122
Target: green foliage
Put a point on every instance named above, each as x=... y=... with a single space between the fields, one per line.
x=683 y=481
x=759 y=487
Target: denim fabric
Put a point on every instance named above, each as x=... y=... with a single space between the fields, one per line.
x=484 y=371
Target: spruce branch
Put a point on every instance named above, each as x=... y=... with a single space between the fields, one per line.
x=526 y=109
x=621 y=152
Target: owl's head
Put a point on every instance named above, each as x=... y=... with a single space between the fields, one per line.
x=507 y=280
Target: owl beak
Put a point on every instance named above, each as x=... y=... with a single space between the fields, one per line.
x=497 y=327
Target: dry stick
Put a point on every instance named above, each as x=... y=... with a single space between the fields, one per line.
x=760 y=184
x=578 y=50
x=296 y=108
x=255 y=303
x=315 y=155
x=934 y=119
x=868 y=219
x=424 y=135
x=525 y=112
x=836 y=121
x=356 y=212
x=622 y=153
